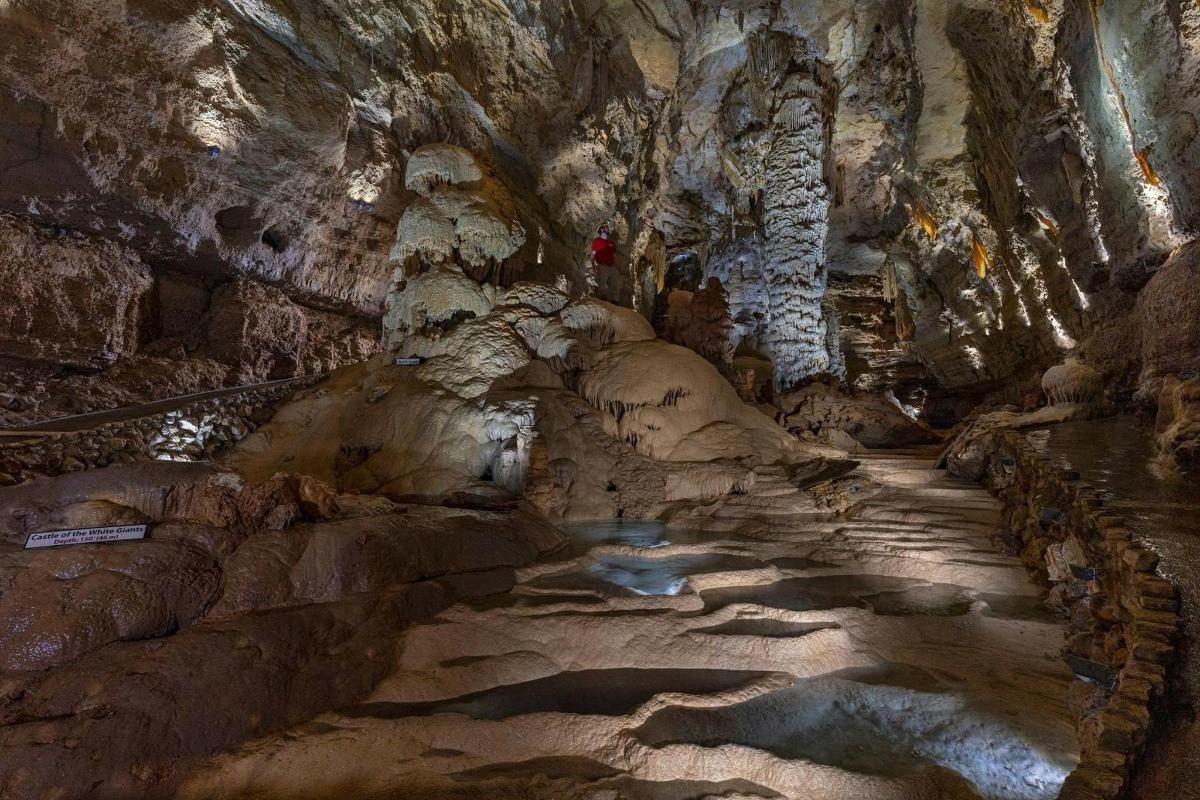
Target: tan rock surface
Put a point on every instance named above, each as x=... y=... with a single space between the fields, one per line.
x=700 y=659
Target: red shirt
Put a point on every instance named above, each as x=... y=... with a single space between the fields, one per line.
x=604 y=251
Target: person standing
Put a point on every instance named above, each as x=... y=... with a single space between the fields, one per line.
x=604 y=254
x=603 y=250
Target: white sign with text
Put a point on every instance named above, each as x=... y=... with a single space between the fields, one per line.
x=108 y=533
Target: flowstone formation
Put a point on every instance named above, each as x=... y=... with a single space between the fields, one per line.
x=1178 y=424
x=1072 y=382
x=461 y=214
x=575 y=403
x=756 y=647
x=459 y=232
x=372 y=500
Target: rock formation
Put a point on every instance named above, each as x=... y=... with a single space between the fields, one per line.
x=1178 y=423
x=795 y=213
x=700 y=321
x=460 y=212
x=305 y=288
x=1072 y=382
x=958 y=247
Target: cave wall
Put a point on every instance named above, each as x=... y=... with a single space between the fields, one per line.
x=246 y=158
x=110 y=113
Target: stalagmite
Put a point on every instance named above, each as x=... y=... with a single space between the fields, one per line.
x=795 y=219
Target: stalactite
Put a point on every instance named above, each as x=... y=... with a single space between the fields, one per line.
x=766 y=54
x=796 y=222
x=1037 y=11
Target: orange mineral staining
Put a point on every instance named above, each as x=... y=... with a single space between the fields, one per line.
x=1047 y=223
x=1040 y=13
x=1140 y=155
x=922 y=218
x=1147 y=170
x=979 y=255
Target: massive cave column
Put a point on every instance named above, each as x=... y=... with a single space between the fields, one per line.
x=796 y=214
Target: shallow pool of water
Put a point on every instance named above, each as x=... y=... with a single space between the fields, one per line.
x=883 y=594
x=584 y=536
x=890 y=721
x=646 y=575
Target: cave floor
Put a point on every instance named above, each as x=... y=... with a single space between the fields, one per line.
x=887 y=652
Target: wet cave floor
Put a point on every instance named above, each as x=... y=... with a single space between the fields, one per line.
x=890 y=652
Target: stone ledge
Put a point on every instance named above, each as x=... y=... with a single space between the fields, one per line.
x=1121 y=615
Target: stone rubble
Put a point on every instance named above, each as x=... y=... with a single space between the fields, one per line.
x=1123 y=618
x=198 y=431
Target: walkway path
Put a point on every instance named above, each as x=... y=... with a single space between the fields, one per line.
x=83 y=422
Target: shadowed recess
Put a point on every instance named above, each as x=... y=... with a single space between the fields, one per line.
x=611 y=692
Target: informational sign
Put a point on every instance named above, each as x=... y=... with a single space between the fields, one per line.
x=108 y=533
x=409 y=362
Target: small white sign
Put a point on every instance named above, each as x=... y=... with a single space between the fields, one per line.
x=109 y=533
x=412 y=361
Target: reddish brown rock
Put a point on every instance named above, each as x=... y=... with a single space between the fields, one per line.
x=62 y=603
x=258 y=330
x=68 y=299
x=1169 y=311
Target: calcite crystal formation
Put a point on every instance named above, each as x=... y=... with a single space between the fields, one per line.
x=460 y=212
